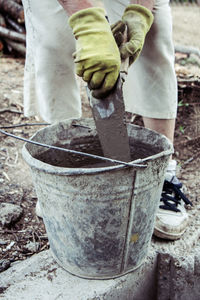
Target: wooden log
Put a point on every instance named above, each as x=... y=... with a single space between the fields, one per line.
x=2 y=21
x=16 y=26
x=13 y=9
x=18 y=47
x=12 y=35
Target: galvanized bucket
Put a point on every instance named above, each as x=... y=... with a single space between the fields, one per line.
x=99 y=218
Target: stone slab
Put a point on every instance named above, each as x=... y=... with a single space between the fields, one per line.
x=41 y=278
x=170 y=271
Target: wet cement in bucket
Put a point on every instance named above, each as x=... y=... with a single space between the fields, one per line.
x=89 y=144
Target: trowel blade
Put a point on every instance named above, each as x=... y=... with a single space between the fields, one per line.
x=108 y=114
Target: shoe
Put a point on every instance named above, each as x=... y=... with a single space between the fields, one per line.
x=38 y=210
x=171 y=218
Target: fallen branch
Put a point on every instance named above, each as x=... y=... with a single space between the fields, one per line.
x=13 y=9
x=187 y=50
x=20 y=48
x=3 y=110
x=10 y=34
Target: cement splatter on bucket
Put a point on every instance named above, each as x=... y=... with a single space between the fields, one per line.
x=99 y=218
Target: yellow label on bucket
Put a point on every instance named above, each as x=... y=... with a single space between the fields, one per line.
x=134 y=238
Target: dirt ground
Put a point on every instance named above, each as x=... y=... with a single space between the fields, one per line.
x=15 y=180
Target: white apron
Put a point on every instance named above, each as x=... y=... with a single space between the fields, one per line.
x=50 y=87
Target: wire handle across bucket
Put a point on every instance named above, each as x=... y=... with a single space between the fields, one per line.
x=114 y=161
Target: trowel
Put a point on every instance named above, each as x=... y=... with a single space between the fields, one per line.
x=108 y=114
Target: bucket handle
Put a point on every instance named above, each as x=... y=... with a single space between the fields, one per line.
x=114 y=161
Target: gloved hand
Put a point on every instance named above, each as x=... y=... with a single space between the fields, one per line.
x=97 y=56
x=138 y=20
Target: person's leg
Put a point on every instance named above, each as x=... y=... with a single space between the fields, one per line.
x=163 y=126
x=151 y=86
x=50 y=87
x=171 y=218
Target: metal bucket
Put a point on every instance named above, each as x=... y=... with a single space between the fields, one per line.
x=99 y=218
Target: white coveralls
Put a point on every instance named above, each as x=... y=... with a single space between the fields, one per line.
x=50 y=87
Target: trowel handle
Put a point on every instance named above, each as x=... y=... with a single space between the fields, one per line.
x=125 y=62
x=124 y=66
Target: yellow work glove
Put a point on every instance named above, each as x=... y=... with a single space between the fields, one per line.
x=138 y=20
x=97 y=56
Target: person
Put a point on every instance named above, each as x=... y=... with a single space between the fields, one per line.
x=72 y=37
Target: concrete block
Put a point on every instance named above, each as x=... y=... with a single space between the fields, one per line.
x=171 y=271
x=178 y=277
x=41 y=278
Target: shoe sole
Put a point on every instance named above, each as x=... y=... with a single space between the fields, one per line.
x=164 y=235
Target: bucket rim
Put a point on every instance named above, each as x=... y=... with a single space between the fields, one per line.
x=51 y=169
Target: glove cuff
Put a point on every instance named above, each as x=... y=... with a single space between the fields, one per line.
x=87 y=16
x=142 y=11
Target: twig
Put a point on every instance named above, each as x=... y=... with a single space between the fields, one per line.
x=188 y=161
x=45 y=246
x=16 y=237
x=3 y=110
x=43 y=237
x=16 y=157
x=191 y=159
x=9 y=165
x=37 y=236
x=6 y=175
x=24 y=124
x=34 y=241
x=7 y=156
x=9 y=231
